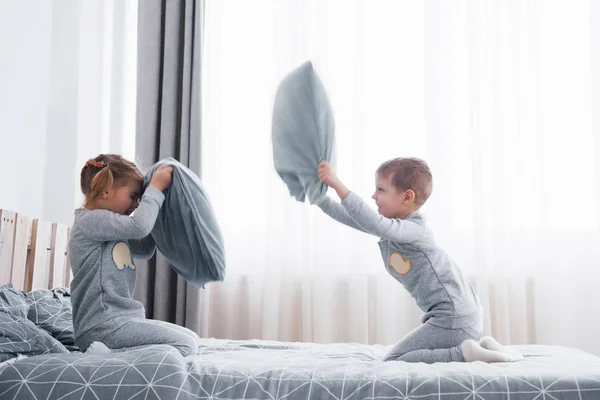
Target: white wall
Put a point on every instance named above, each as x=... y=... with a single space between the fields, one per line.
x=67 y=93
x=25 y=40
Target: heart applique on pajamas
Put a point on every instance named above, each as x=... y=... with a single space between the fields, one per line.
x=400 y=265
x=122 y=256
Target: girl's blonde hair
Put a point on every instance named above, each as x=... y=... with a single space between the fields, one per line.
x=104 y=172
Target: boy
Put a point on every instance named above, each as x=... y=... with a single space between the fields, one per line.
x=452 y=315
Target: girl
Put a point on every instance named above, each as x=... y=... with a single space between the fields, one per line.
x=104 y=237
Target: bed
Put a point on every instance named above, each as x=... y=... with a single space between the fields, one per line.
x=48 y=366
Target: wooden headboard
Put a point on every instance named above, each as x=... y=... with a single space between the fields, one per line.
x=33 y=252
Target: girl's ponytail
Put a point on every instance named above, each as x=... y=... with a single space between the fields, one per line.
x=101 y=181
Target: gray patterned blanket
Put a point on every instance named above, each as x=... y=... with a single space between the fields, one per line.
x=275 y=370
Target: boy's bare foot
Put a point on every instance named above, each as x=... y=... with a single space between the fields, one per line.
x=489 y=343
x=472 y=351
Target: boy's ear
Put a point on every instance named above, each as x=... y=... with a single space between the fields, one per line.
x=409 y=195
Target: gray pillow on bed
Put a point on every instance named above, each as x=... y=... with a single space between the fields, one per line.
x=302 y=132
x=13 y=302
x=51 y=311
x=18 y=335
x=186 y=230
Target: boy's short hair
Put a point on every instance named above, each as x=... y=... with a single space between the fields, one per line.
x=409 y=173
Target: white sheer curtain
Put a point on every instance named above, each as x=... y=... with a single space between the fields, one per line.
x=501 y=98
x=107 y=80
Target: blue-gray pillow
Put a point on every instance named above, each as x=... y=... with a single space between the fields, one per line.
x=51 y=311
x=186 y=230
x=302 y=132
x=18 y=335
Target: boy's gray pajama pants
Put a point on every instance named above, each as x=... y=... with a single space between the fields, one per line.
x=430 y=343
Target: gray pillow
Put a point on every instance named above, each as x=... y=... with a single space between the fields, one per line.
x=302 y=132
x=186 y=230
x=13 y=302
x=51 y=311
x=18 y=335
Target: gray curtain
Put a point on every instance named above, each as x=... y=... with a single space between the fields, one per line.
x=170 y=36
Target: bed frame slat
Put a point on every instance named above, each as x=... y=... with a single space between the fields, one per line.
x=58 y=255
x=7 y=239
x=38 y=265
x=21 y=251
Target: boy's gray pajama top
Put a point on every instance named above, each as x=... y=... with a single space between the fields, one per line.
x=451 y=308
